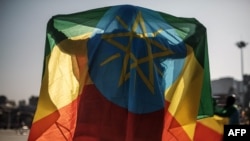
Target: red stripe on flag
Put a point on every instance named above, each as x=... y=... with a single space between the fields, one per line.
x=62 y=124
x=99 y=119
x=173 y=130
x=204 y=133
x=40 y=126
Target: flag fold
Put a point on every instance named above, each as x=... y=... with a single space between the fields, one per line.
x=125 y=73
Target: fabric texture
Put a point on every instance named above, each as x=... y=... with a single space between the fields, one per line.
x=125 y=73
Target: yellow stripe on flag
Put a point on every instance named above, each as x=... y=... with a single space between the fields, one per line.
x=215 y=123
x=63 y=76
x=184 y=94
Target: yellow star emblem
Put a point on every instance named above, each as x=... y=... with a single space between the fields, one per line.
x=131 y=34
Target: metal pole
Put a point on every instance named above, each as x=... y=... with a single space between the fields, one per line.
x=242 y=63
x=241 y=45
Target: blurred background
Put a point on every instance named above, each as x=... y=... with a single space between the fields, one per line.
x=22 y=40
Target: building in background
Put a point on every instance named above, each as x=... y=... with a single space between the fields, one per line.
x=223 y=87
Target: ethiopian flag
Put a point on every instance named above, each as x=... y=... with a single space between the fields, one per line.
x=125 y=73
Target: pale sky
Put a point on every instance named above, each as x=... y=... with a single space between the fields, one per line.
x=23 y=28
